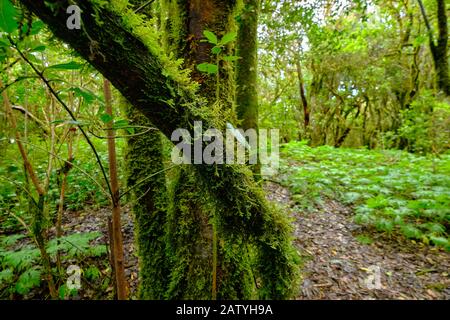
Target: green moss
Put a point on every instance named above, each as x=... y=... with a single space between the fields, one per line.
x=190 y=247
x=246 y=75
x=149 y=203
x=146 y=30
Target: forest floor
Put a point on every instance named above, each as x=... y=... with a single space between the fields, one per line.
x=336 y=265
x=339 y=266
x=96 y=221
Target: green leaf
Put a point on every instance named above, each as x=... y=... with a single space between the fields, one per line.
x=131 y=130
x=36 y=27
x=208 y=68
x=231 y=58
x=92 y=273
x=351 y=197
x=439 y=241
x=22 y=259
x=28 y=280
x=210 y=36
x=384 y=225
x=62 y=291
x=216 y=50
x=87 y=95
x=119 y=124
x=411 y=232
x=435 y=228
x=39 y=48
x=72 y=65
x=377 y=202
x=364 y=239
x=230 y=36
x=7 y=14
x=106 y=118
x=8 y=241
x=6 y=276
x=4 y=44
x=58 y=121
x=73 y=245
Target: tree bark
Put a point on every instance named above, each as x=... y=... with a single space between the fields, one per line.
x=144 y=159
x=204 y=266
x=149 y=202
x=119 y=263
x=247 y=70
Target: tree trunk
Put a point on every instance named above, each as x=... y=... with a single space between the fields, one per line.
x=149 y=202
x=117 y=239
x=304 y=101
x=204 y=266
x=440 y=54
x=247 y=66
x=144 y=160
x=439 y=50
x=247 y=70
x=149 y=80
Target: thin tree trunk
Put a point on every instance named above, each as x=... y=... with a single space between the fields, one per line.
x=150 y=204
x=303 y=99
x=247 y=66
x=247 y=70
x=119 y=264
x=439 y=50
x=65 y=172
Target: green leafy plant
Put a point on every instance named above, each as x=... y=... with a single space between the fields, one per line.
x=20 y=267
x=392 y=191
x=217 y=50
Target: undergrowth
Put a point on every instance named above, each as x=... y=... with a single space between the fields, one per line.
x=394 y=192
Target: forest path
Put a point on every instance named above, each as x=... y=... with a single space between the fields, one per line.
x=335 y=264
x=338 y=266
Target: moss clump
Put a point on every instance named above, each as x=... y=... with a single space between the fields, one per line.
x=146 y=30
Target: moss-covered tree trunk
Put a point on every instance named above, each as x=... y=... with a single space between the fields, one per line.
x=149 y=203
x=247 y=66
x=205 y=263
x=247 y=69
x=118 y=43
x=439 y=49
x=146 y=176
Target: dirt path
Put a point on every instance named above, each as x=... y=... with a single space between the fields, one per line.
x=338 y=266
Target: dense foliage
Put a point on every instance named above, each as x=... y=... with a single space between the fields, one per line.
x=392 y=191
